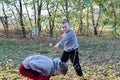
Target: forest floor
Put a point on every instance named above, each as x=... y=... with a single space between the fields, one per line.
x=94 y=53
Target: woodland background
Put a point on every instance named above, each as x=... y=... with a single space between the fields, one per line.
x=33 y=27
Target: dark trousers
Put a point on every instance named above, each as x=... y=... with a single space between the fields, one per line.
x=74 y=57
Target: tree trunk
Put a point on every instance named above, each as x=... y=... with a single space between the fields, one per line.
x=95 y=31
x=93 y=21
x=4 y=21
x=17 y=22
x=101 y=30
x=34 y=6
x=114 y=25
x=39 y=6
x=95 y=25
x=66 y=10
x=52 y=19
x=51 y=23
x=81 y=22
x=21 y=20
x=87 y=21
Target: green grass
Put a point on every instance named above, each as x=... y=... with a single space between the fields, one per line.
x=17 y=51
x=92 y=46
x=13 y=51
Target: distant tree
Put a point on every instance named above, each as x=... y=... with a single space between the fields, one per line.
x=63 y=7
x=94 y=22
x=39 y=8
x=26 y=4
x=114 y=16
x=21 y=19
x=34 y=8
x=4 y=19
x=79 y=6
x=14 y=16
x=52 y=10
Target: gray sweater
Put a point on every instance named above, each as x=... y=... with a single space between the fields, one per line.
x=42 y=64
x=69 y=40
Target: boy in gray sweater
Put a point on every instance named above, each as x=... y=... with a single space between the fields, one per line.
x=39 y=67
x=70 y=42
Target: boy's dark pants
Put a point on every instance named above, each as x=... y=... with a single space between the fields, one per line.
x=73 y=55
x=32 y=74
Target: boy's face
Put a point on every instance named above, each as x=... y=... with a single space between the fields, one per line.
x=64 y=28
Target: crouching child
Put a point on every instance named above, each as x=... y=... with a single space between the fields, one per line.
x=40 y=67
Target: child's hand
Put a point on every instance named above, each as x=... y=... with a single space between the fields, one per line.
x=56 y=46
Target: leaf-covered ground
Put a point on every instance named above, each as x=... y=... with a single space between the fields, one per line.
x=103 y=71
x=94 y=59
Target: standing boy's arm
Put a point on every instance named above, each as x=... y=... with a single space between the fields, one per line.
x=64 y=38
x=57 y=46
